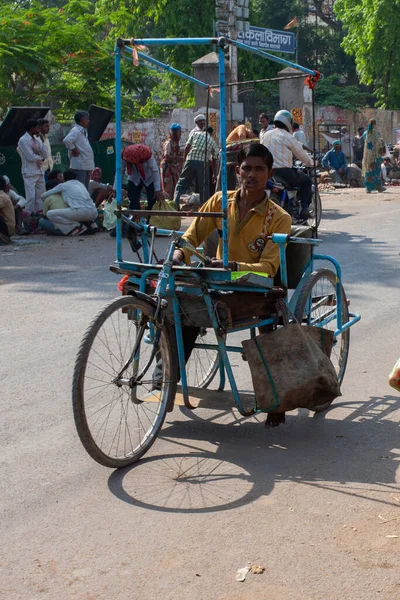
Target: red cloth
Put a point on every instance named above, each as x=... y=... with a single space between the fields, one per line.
x=137 y=154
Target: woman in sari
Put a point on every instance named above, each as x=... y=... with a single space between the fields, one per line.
x=374 y=148
x=172 y=160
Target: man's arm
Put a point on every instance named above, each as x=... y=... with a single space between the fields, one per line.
x=201 y=227
x=156 y=174
x=26 y=151
x=61 y=187
x=269 y=260
x=325 y=160
x=299 y=153
x=70 y=139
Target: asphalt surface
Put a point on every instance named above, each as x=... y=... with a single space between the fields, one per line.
x=316 y=502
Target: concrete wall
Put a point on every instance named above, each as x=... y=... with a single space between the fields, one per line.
x=152 y=132
x=388 y=122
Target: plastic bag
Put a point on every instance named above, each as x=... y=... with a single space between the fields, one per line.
x=172 y=223
x=109 y=218
x=394 y=377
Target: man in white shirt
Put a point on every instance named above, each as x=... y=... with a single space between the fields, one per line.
x=80 y=151
x=33 y=154
x=263 y=120
x=282 y=145
x=300 y=136
x=44 y=128
x=79 y=217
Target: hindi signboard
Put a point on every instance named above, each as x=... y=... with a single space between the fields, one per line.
x=268 y=39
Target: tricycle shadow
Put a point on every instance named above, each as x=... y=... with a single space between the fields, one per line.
x=223 y=462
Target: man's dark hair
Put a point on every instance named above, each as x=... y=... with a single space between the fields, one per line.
x=210 y=130
x=30 y=123
x=42 y=122
x=296 y=125
x=280 y=125
x=79 y=116
x=256 y=150
x=3 y=184
x=53 y=174
x=264 y=116
x=360 y=128
x=256 y=132
x=50 y=184
x=69 y=175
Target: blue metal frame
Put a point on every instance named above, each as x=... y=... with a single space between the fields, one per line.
x=170 y=278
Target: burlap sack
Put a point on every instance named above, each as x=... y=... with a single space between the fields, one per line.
x=291 y=368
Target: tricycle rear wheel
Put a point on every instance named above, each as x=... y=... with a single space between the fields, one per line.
x=317 y=301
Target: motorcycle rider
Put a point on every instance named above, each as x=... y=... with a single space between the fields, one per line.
x=282 y=145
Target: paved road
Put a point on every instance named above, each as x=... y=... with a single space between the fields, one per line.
x=307 y=501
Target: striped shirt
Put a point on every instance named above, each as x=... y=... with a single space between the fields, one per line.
x=282 y=146
x=48 y=163
x=32 y=163
x=197 y=143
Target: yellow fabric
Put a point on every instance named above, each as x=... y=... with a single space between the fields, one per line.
x=7 y=212
x=239 y=133
x=53 y=202
x=263 y=220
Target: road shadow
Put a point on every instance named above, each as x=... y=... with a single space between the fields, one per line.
x=243 y=461
x=334 y=214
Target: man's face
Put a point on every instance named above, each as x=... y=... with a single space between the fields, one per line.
x=34 y=130
x=361 y=131
x=201 y=124
x=60 y=178
x=97 y=176
x=263 y=122
x=338 y=147
x=254 y=174
x=85 y=122
x=45 y=128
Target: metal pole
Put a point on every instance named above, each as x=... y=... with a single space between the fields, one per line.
x=315 y=161
x=118 y=148
x=297 y=44
x=222 y=130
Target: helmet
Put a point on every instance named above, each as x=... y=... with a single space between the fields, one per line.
x=284 y=117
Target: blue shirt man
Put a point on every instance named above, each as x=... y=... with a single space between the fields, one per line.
x=335 y=159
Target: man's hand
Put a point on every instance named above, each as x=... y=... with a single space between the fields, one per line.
x=216 y=263
x=36 y=151
x=178 y=257
x=75 y=152
x=159 y=196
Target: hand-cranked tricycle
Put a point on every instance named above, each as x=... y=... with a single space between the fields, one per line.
x=165 y=341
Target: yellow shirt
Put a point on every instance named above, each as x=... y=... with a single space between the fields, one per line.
x=246 y=238
x=7 y=212
x=52 y=202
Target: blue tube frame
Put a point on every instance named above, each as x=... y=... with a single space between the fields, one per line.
x=166 y=285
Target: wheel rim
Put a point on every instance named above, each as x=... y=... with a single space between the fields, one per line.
x=123 y=420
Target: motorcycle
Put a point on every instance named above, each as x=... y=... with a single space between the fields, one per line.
x=290 y=202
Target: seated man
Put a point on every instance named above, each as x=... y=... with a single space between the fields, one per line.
x=252 y=217
x=7 y=216
x=52 y=202
x=335 y=161
x=55 y=175
x=19 y=204
x=240 y=133
x=98 y=191
x=81 y=212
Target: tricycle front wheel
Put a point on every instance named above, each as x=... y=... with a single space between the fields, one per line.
x=123 y=386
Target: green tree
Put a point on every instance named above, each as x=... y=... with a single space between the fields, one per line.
x=372 y=30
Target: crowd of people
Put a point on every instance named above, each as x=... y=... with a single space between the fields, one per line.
x=67 y=203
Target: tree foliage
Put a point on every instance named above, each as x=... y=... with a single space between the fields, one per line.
x=372 y=31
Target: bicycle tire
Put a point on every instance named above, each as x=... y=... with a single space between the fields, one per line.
x=83 y=364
